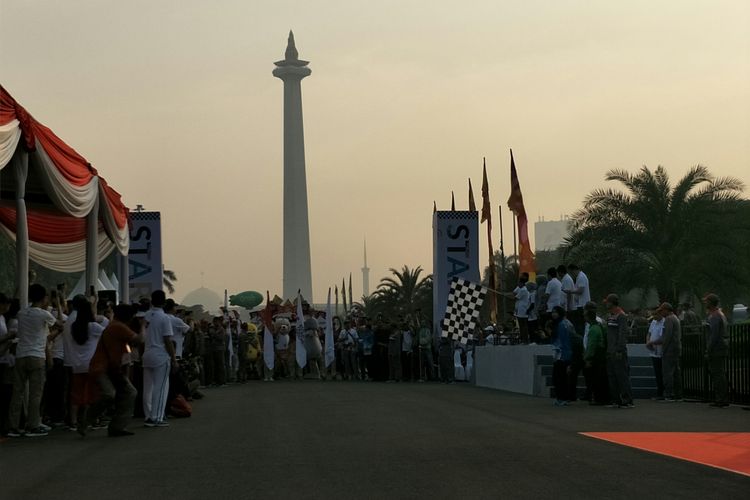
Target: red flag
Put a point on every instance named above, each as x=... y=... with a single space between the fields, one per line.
x=526 y=261
x=472 y=205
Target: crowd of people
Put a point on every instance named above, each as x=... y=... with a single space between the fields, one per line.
x=86 y=364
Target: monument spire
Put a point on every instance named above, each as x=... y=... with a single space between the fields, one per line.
x=291 y=53
x=297 y=269
x=365 y=276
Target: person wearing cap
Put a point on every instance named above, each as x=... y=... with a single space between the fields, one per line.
x=717 y=350
x=618 y=372
x=671 y=348
x=688 y=317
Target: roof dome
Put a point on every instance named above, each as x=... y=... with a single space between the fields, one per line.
x=210 y=300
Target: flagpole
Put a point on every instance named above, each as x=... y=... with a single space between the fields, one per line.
x=502 y=262
x=515 y=240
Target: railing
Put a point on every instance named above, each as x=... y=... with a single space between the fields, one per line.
x=696 y=380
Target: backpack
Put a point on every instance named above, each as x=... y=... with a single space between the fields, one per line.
x=179 y=407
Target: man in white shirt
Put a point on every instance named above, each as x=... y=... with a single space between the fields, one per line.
x=34 y=323
x=179 y=327
x=521 y=311
x=553 y=293
x=567 y=285
x=158 y=357
x=580 y=295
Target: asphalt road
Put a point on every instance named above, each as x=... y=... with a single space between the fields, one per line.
x=374 y=440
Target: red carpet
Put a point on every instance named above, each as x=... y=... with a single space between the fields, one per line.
x=724 y=450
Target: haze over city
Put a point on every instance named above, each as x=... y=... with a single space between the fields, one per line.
x=175 y=104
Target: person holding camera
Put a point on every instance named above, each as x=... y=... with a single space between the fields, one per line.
x=34 y=323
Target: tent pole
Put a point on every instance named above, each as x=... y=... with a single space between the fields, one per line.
x=92 y=246
x=123 y=268
x=21 y=163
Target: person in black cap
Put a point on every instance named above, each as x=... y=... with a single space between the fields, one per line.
x=618 y=371
x=717 y=350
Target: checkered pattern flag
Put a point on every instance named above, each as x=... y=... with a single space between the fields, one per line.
x=464 y=302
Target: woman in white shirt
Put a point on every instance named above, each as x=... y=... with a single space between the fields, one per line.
x=84 y=333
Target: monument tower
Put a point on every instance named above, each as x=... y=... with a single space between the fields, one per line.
x=297 y=272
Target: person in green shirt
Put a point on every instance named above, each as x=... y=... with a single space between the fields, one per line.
x=595 y=359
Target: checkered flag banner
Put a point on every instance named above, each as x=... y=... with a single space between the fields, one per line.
x=464 y=302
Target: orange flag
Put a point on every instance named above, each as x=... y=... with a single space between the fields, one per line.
x=527 y=261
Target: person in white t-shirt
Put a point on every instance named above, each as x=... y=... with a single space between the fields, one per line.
x=567 y=285
x=158 y=358
x=179 y=327
x=521 y=310
x=84 y=333
x=553 y=293
x=580 y=295
x=655 y=330
x=34 y=323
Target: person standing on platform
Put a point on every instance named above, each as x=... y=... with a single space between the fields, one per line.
x=568 y=287
x=158 y=360
x=553 y=294
x=581 y=295
x=521 y=310
x=717 y=350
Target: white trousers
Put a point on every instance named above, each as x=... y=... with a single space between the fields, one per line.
x=155 y=390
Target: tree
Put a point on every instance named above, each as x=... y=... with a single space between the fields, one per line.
x=168 y=279
x=680 y=240
x=405 y=294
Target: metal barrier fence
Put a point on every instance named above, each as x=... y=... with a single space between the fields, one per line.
x=696 y=380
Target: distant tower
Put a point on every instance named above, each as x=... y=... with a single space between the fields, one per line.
x=297 y=272
x=365 y=276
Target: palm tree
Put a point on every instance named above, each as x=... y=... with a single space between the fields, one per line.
x=679 y=240
x=168 y=279
x=405 y=294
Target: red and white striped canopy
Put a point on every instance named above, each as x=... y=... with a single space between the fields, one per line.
x=62 y=189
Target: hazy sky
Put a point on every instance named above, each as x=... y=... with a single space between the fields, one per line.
x=174 y=103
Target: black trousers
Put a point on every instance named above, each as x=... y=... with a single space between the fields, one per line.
x=560 y=379
x=6 y=393
x=54 y=392
x=658 y=375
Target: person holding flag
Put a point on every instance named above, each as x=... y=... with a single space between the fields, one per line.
x=298 y=361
